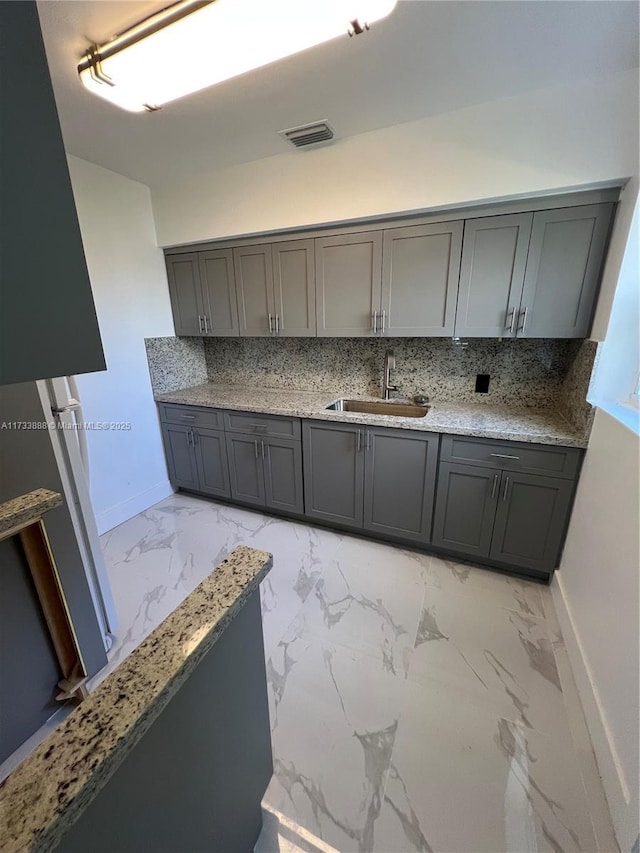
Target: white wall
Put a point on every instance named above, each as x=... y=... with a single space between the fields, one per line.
x=543 y=141
x=128 y=279
x=596 y=596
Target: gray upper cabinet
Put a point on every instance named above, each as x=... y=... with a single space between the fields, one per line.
x=185 y=293
x=531 y=519
x=399 y=482
x=465 y=508
x=494 y=257
x=219 y=301
x=254 y=283
x=294 y=288
x=333 y=472
x=420 y=268
x=348 y=284
x=563 y=271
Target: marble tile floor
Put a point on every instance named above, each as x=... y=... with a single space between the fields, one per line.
x=416 y=704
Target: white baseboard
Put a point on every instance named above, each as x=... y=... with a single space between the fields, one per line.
x=125 y=510
x=611 y=771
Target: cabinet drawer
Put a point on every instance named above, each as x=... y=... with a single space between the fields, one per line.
x=195 y=416
x=250 y=423
x=512 y=455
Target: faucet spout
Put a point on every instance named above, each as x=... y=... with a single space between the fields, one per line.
x=389 y=365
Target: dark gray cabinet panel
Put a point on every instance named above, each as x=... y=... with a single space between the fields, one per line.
x=181 y=460
x=420 y=272
x=48 y=324
x=294 y=282
x=246 y=471
x=531 y=519
x=348 y=283
x=399 y=482
x=254 y=283
x=563 y=271
x=465 y=508
x=282 y=459
x=211 y=461
x=186 y=294
x=194 y=416
x=333 y=472
x=220 y=306
x=261 y=425
x=520 y=456
x=494 y=256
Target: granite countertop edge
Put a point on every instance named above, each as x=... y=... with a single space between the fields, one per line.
x=480 y=420
x=27 y=508
x=48 y=792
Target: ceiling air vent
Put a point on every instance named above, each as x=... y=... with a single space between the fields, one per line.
x=308 y=134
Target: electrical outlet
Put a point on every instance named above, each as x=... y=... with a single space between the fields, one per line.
x=482 y=383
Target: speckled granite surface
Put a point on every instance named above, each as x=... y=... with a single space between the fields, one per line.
x=175 y=362
x=512 y=423
x=49 y=791
x=575 y=386
x=26 y=508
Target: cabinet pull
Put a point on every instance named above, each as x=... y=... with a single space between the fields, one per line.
x=206 y=324
x=384 y=321
x=255 y=444
x=375 y=322
x=368 y=441
x=188 y=417
x=189 y=438
x=503 y=456
x=506 y=489
x=510 y=320
x=277 y=324
x=270 y=324
x=359 y=443
x=262 y=443
x=200 y=325
x=259 y=427
x=495 y=485
x=195 y=436
x=524 y=320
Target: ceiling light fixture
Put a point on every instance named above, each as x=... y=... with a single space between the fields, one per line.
x=194 y=44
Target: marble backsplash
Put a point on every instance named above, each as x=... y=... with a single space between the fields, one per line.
x=533 y=373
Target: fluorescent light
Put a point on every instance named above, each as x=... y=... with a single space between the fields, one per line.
x=193 y=45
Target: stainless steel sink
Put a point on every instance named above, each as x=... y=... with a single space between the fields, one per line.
x=381 y=407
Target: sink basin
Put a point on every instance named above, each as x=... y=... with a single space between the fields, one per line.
x=380 y=407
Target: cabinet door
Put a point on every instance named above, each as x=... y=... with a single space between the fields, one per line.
x=348 y=283
x=399 y=483
x=246 y=472
x=220 y=305
x=531 y=520
x=420 y=270
x=283 y=474
x=211 y=460
x=494 y=254
x=254 y=284
x=294 y=281
x=563 y=271
x=465 y=508
x=333 y=472
x=185 y=293
x=181 y=459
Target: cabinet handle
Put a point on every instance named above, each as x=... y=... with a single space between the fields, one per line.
x=277 y=324
x=375 y=322
x=188 y=417
x=195 y=436
x=270 y=324
x=503 y=456
x=510 y=319
x=189 y=438
x=200 y=325
x=384 y=321
x=506 y=489
x=359 y=443
x=206 y=324
x=495 y=486
x=259 y=427
x=262 y=443
x=255 y=444
x=368 y=441
x=524 y=320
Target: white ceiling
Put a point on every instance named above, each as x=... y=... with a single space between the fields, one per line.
x=426 y=58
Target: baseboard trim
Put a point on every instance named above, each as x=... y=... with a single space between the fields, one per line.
x=609 y=765
x=125 y=510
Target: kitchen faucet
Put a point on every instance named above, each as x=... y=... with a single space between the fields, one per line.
x=389 y=365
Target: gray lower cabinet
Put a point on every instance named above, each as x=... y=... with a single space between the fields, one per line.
x=531 y=519
x=465 y=508
x=333 y=472
x=266 y=471
x=196 y=459
x=399 y=482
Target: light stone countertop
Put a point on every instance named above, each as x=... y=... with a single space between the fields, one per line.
x=48 y=792
x=27 y=508
x=540 y=426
